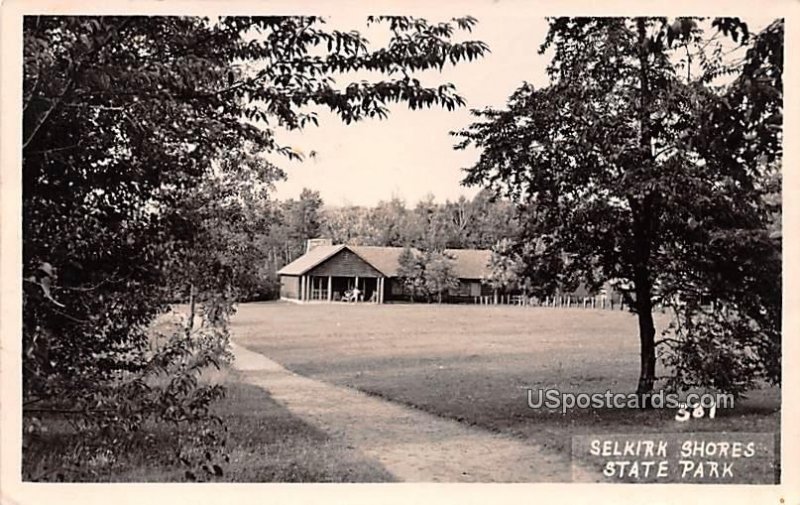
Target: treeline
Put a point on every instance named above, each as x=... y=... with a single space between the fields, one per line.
x=477 y=223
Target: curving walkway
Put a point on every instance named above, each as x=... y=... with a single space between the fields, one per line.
x=411 y=444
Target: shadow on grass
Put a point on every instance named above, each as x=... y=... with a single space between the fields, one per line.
x=266 y=443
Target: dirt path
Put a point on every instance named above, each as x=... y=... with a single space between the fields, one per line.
x=411 y=444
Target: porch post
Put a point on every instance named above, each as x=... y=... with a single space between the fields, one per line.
x=330 y=288
x=380 y=289
x=359 y=289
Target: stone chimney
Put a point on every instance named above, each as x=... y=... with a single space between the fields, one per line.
x=316 y=242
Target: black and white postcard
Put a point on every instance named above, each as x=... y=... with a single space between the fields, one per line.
x=253 y=247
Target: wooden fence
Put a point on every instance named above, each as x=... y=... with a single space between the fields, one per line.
x=569 y=301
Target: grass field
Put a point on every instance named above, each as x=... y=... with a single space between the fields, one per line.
x=474 y=364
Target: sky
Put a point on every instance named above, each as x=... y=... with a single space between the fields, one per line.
x=410 y=154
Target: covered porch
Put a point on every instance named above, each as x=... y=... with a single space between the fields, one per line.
x=331 y=288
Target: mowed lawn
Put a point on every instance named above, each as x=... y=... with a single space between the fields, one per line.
x=475 y=363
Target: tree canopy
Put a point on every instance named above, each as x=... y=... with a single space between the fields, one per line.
x=647 y=160
x=427 y=273
x=148 y=149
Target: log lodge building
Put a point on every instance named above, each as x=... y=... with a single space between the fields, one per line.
x=326 y=272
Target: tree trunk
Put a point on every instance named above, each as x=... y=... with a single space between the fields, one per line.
x=647 y=336
x=647 y=371
x=192 y=306
x=644 y=225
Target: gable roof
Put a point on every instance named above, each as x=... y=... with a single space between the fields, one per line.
x=310 y=259
x=385 y=259
x=469 y=263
